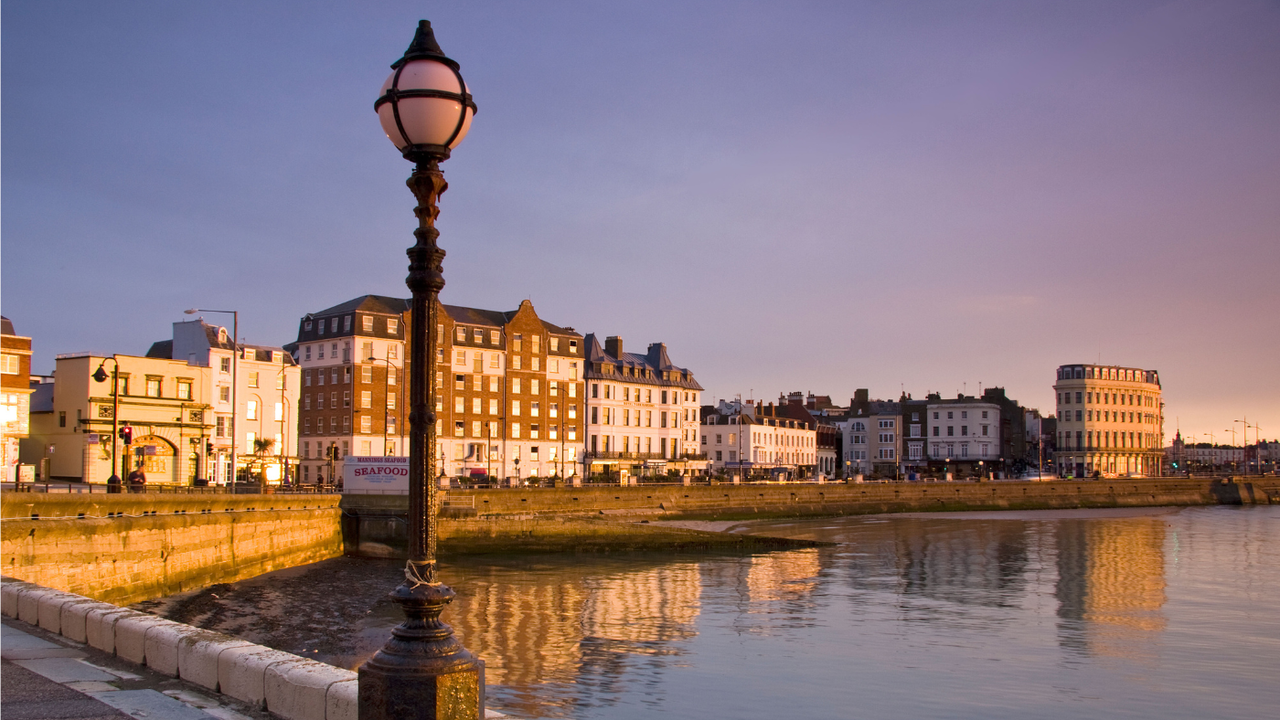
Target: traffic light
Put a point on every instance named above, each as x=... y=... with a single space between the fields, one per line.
x=126 y=434
x=208 y=447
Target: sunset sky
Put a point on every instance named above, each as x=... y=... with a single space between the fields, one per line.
x=812 y=196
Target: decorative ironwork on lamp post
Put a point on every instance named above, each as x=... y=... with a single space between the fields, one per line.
x=423 y=671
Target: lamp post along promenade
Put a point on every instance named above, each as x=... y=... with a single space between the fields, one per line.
x=423 y=671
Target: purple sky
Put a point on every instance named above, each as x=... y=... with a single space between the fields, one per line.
x=792 y=196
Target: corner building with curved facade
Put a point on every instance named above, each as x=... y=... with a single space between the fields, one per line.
x=1110 y=421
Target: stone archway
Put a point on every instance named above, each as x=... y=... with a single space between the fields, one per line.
x=158 y=457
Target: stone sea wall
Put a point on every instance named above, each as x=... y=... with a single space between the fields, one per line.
x=126 y=548
x=578 y=519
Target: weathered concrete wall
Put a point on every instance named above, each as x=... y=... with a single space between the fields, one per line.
x=127 y=548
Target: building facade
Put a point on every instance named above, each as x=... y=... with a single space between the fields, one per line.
x=509 y=404
x=1110 y=421
x=753 y=441
x=15 y=396
x=872 y=436
x=181 y=413
x=964 y=435
x=643 y=413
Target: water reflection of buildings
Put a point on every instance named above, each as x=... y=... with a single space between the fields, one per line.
x=564 y=627
x=980 y=563
x=1111 y=585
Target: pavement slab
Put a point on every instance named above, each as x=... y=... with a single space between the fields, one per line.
x=28 y=696
x=150 y=704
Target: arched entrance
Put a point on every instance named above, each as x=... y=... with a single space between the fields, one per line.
x=157 y=457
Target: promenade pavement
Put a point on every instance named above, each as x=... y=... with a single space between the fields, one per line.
x=47 y=677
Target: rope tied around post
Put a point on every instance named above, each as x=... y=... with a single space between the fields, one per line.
x=420 y=573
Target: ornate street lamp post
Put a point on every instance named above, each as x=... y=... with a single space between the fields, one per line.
x=423 y=671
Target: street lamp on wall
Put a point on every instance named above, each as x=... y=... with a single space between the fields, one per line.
x=423 y=671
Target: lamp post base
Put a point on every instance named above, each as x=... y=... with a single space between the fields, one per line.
x=423 y=672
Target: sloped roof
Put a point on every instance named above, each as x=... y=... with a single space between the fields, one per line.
x=6 y=327
x=368 y=303
x=655 y=360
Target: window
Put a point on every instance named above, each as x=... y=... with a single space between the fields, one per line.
x=515 y=362
x=279 y=411
x=459 y=382
x=366 y=323
x=515 y=430
x=306 y=352
x=320 y=351
x=964 y=414
x=366 y=374
x=366 y=399
x=460 y=357
x=393 y=326
x=391 y=375
x=951 y=430
x=515 y=407
x=253 y=379
x=534 y=384
x=252 y=410
x=493 y=337
x=459 y=430
x=515 y=386
x=346 y=324
x=346 y=398
x=153 y=387
x=460 y=334
x=516 y=342
x=964 y=429
x=534 y=344
x=225 y=364
x=393 y=351
x=493 y=360
x=366 y=424
x=573 y=390
x=459 y=404
x=533 y=409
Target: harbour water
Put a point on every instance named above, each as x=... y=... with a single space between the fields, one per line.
x=1155 y=612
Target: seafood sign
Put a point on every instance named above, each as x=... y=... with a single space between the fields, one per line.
x=375 y=475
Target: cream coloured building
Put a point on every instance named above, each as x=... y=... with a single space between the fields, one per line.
x=180 y=411
x=1110 y=421
x=642 y=412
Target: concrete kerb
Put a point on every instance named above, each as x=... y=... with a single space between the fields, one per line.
x=299 y=691
x=242 y=671
x=10 y=591
x=342 y=701
x=100 y=626
x=287 y=685
x=198 y=654
x=29 y=604
x=162 y=644
x=131 y=636
x=74 y=618
x=50 y=609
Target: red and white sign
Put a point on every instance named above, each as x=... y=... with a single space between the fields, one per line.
x=375 y=475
